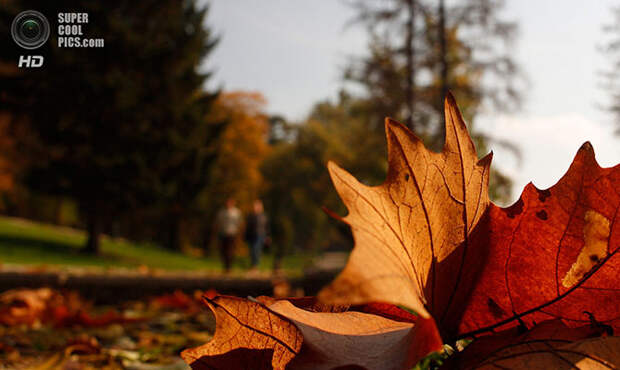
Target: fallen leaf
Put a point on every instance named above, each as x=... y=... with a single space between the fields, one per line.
x=552 y=254
x=313 y=304
x=543 y=338
x=319 y=336
x=596 y=353
x=429 y=239
x=412 y=233
x=48 y=306
x=247 y=336
x=24 y=306
x=85 y=319
x=180 y=301
x=351 y=338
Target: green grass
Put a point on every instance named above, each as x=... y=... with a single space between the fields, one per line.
x=24 y=242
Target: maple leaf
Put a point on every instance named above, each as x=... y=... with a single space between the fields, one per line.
x=552 y=254
x=412 y=232
x=335 y=340
x=595 y=353
x=247 y=336
x=549 y=345
x=280 y=334
x=429 y=239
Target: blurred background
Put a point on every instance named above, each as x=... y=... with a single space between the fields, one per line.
x=122 y=156
x=130 y=173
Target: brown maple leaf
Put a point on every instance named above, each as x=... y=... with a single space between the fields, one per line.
x=549 y=345
x=412 y=233
x=506 y=347
x=247 y=336
x=279 y=334
x=428 y=239
x=595 y=353
x=357 y=339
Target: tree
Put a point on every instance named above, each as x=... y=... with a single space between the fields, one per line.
x=242 y=149
x=429 y=48
x=297 y=180
x=296 y=175
x=420 y=50
x=188 y=156
x=115 y=126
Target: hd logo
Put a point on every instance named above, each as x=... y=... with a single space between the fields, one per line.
x=30 y=30
x=30 y=61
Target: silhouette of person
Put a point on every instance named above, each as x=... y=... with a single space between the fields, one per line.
x=256 y=232
x=228 y=223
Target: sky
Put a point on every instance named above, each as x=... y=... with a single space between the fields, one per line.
x=293 y=52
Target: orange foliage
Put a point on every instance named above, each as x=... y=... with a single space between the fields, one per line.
x=243 y=146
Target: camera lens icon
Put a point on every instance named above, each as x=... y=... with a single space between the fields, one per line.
x=30 y=29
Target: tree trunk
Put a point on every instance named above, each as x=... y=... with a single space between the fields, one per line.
x=95 y=225
x=443 y=68
x=58 y=211
x=410 y=51
x=176 y=236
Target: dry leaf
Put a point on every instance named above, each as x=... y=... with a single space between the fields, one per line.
x=592 y=354
x=247 y=336
x=553 y=254
x=412 y=233
x=429 y=239
x=278 y=334
x=334 y=340
x=544 y=338
x=24 y=306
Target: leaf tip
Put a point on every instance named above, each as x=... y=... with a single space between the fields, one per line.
x=209 y=302
x=585 y=154
x=389 y=121
x=586 y=150
x=391 y=125
x=455 y=128
x=587 y=146
x=486 y=160
x=449 y=100
x=188 y=355
x=332 y=167
x=336 y=173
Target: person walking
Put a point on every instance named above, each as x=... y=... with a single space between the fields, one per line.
x=228 y=223
x=256 y=232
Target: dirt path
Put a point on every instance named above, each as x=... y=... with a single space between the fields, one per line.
x=114 y=286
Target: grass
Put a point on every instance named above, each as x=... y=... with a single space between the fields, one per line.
x=24 y=242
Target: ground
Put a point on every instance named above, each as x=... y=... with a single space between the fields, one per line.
x=47 y=329
x=71 y=331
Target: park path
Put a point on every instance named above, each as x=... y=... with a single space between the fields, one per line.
x=121 y=285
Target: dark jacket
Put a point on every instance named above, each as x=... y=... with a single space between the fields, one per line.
x=256 y=226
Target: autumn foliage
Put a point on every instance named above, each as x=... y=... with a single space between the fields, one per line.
x=243 y=147
x=535 y=285
x=33 y=307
